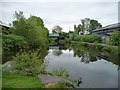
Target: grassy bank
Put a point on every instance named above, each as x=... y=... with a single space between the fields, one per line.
x=99 y=46
x=20 y=81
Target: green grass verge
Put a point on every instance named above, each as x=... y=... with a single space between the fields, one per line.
x=19 y=81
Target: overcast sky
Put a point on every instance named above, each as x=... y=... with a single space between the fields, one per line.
x=65 y=14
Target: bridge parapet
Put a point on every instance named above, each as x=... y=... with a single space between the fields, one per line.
x=54 y=34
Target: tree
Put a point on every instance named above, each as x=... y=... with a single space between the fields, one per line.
x=32 y=29
x=19 y=15
x=94 y=25
x=57 y=29
x=78 y=29
x=87 y=25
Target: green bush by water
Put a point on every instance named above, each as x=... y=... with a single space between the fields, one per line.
x=27 y=63
x=115 y=38
x=88 y=38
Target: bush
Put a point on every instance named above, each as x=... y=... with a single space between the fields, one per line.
x=11 y=42
x=115 y=38
x=27 y=63
x=88 y=38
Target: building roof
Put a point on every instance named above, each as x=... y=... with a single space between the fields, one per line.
x=112 y=26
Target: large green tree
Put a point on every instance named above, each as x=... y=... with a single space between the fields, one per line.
x=32 y=29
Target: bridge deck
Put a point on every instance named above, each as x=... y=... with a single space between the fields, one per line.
x=54 y=34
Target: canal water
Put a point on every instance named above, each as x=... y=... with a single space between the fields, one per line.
x=94 y=67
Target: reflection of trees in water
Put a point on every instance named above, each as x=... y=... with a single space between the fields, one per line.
x=85 y=56
x=57 y=52
x=7 y=55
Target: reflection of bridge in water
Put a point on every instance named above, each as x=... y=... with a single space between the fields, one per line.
x=53 y=47
x=58 y=47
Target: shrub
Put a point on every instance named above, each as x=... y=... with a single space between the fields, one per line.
x=13 y=42
x=27 y=63
x=88 y=38
x=115 y=38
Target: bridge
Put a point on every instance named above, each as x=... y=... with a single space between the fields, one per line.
x=107 y=29
x=54 y=35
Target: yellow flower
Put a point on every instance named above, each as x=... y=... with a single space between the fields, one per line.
x=50 y=85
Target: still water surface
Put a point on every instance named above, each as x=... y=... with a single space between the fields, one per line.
x=95 y=71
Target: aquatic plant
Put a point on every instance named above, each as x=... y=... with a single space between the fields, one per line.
x=60 y=72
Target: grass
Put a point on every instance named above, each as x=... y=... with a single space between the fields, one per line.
x=20 y=81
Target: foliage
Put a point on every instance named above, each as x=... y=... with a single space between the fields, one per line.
x=64 y=35
x=32 y=29
x=27 y=63
x=87 y=25
x=53 y=41
x=15 y=42
x=18 y=15
x=57 y=29
x=88 y=38
x=20 y=81
x=115 y=38
x=96 y=49
x=94 y=24
x=78 y=29
x=60 y=72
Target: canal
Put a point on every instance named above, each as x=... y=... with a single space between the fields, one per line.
x=95 y=68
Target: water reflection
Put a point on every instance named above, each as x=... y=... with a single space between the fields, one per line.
x=57 y=52
x=88 y=55
x=96 y=68
x=85 y=56
x=8 y=55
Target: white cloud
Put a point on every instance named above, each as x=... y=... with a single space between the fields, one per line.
x=60 y=0
x=65 y=14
